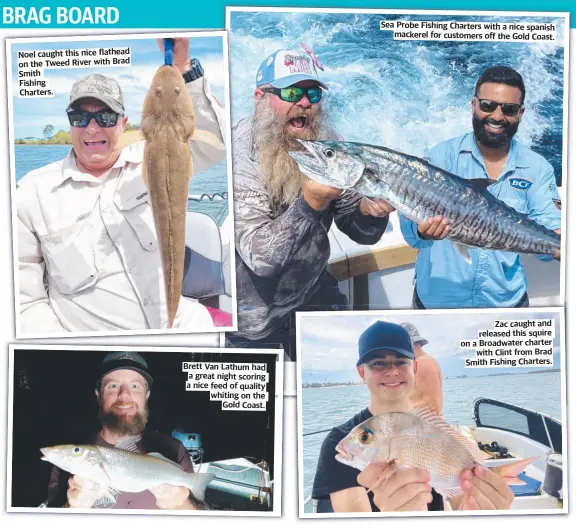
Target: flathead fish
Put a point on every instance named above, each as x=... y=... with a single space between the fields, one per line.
x=419 y=439
x=168 y=124
x=118 y=470
x=420 y=190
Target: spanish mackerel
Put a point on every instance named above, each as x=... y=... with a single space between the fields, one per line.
x=116 y=469
x=420 y=190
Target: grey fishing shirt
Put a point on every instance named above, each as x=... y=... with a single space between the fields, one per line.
x=283 y=249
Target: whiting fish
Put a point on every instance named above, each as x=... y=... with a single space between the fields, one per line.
x=117 y=470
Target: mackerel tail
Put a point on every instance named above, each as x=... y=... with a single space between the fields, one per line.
x=420 y=190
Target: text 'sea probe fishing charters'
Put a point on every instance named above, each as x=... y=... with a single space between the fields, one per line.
x=168 y=125
x=420 y=190
x=419 y=439
x=119 y=470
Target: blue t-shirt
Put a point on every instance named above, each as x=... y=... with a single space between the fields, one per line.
x=494 y=278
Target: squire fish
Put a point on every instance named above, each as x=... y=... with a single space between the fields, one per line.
x=420 y=190
x=117 y=469
x=418 y=439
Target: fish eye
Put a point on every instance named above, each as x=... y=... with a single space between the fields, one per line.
x=77 y=450
x=329 y=153
x=366 y=437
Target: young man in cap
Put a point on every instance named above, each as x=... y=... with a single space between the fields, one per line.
x=282 y=218
x=427 y=390
x=387 y=365
x=122 y=390
x=517 y=176
x=88 y=254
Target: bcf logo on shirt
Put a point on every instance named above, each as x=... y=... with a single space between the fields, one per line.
x=520 y=183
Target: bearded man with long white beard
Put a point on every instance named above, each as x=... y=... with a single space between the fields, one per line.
x=281 y=217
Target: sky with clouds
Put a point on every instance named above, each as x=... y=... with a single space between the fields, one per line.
x=31 y=115
x=329 y=343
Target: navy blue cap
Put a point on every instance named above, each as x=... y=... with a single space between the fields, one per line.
x=384 y=336
x=125 y=360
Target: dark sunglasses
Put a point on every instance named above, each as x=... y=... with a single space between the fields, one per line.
x=294 y=94
x=104 y=118
x=489 y=106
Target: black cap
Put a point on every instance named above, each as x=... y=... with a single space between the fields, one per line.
x=125 y=360
x=384 y=336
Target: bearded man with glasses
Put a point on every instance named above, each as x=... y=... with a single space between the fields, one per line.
x=282 y=218
x=88 y=255
x=513 y=173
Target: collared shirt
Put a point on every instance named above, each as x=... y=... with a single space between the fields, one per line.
x=494 y=278
x=87 y=247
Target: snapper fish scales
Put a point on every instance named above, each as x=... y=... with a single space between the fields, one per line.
x=168 y=124
x=117 y=469
x=419 y=439
x=420 y=190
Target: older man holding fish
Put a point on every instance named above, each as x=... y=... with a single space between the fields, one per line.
x=410 y=459
x=519 y=177
x=282 y=218
x=125 y=466
x=88 y=250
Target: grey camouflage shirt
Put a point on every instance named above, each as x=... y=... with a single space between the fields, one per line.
x=283 y=251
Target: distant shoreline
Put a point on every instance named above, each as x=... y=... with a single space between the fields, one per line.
x=319 y=385
x=41 y=144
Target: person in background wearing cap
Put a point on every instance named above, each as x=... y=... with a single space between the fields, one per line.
x=388 y=367
x=122 y=391
x=514 y=174
x=282 y=218
x=88 y=255
x=427 y=390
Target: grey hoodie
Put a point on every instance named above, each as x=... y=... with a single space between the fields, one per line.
x=283 y=250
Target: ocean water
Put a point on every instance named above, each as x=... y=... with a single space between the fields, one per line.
x=407 y=95
x=324 y=408
x=210 y=182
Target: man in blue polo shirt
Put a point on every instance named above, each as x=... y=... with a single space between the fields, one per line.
x=524 y=181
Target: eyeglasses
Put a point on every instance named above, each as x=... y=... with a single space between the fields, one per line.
x=294 y=94
x=381 y=365
x=489 y=106
x=104 y=118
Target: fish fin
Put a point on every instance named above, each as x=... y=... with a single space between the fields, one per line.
x=128 y=138
x=449 y=492
x=481 y=183
x=206 y=137
x=198 y=483
x=162 y=457
x=427 y=414
x=462 y=250
x=509 y=472
x=129 y=444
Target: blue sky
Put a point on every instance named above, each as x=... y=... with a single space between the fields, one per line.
x=329 y=344
x=31 y=115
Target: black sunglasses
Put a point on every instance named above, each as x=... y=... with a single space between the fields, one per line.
x=489 y=106
x=294 y=94
x=104 y=118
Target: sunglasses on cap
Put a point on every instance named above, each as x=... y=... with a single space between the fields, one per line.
x=489 y=106
x=104 y=118
x=294 y=94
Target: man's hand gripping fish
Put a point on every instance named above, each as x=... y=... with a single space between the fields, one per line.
x=420 y=190
x=418 y=439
